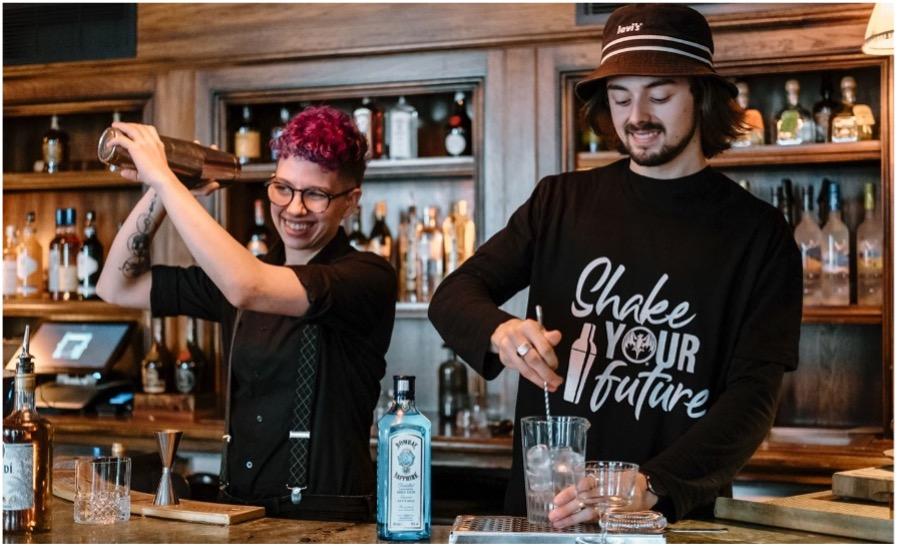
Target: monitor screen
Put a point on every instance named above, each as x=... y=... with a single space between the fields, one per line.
x=75 y=347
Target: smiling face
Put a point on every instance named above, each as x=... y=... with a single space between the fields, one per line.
x=304 y=232
x=654 y=117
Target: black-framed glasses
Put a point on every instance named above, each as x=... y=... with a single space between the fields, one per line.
x=313 y=199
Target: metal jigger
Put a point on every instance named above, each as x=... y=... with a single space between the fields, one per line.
x=168 y=441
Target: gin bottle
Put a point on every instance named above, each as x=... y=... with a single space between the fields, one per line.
x=403 y=467
x=403 y=130
x=836 y=289
x=809 y=238
x=754 y=135
x=794 y=124
x=869 y=252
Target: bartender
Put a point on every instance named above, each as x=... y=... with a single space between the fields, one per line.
x=304 y=330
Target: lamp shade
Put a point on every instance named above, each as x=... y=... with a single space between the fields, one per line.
x=878 y=38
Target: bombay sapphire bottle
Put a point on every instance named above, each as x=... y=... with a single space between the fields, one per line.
x=403 y=467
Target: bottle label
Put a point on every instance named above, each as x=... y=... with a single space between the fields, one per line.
x=87 y=266
x=52 y=148
x=455 y=142
x=26 y=268
x=153 y=382
x=9 y=277
x=401 y=128
x=247 y=144
x=53 y=270
x=18 y=476
x=68 y=278
x=185 y=380
x=406 y=482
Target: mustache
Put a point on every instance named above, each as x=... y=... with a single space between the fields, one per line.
x=645 y=126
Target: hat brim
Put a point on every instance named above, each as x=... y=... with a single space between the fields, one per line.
x=647 y=63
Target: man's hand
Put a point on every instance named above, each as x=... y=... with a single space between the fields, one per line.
x=577 y=505
x=524 y=345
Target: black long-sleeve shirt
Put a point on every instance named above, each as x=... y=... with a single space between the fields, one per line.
x=352 y=296
x=682 y=301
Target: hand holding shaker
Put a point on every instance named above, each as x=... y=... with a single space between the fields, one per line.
x=191 y=162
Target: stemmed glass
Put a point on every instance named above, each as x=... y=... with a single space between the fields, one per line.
x=607 y=485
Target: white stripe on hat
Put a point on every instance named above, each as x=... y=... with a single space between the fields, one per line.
x=656 y=37
x=655 y=48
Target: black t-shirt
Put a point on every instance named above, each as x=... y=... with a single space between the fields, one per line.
x=352 y=297
x=683 y=298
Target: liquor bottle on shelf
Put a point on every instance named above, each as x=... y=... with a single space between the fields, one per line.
x=824 y=110
x=458 y=129
x=453 y=390
x=589 y=140
x=55 y=147
x=29 y=262
x=403 y=467
x=869 y=252
x=458 y=236
x=786 y=201
x=745 y=185
x=409 y=278
x=853 y=122
x=809 y=238
x=278 y=130
x=191 y=363
x=53 y=251
x=356 y=236
x=67 y=285
x=370 y=121
x=430 y=255
x=156 y=368
x=90 y=259
x=776 y=197
x=836 y=289
x=754 y=135
x=259 y=237
x=403 y=130
x=794 y=124
x=10 y=279
x=27 y=455
x=247 y=141
x=823 y=202
x=380 y=241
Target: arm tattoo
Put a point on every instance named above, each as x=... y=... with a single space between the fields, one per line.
x=139 y=245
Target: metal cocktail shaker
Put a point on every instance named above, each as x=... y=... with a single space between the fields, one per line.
x=191 y=162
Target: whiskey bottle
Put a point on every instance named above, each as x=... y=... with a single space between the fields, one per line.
x=380 y=241
x=458 y=236
x=794 y=124
x=824 y=110
x=53 y=251
x=90 y=259
x=853 y=122
x=809 y=239
x=55 y=147
x=403 y=130
x=458 y=129
x=403 y=467
x=278 y=130
x=430 y=255
x=259 y=237
x=370 y=121
x=754 y=135
x=156 y=368
x=247 y=141
x=356 y=236
x=27 y=456
x=29 y=261
x=191 y=363
x=869 y=252
x=68 y=259
x=836 y=289
x=10 y=280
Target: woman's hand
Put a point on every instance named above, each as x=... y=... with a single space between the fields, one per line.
x=524 y=345
x=147 y=153
x=577 y=504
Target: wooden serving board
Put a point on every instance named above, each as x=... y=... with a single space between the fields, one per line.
x=820 y=512
x=872 y=484
x=186 y=510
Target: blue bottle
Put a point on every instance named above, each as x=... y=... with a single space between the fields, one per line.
x=403 y=467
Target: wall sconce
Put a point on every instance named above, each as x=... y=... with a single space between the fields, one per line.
x=878 y=40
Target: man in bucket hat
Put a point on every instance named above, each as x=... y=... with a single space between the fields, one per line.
x=671 y=296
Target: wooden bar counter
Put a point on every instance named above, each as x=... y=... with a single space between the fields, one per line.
x=273 y=530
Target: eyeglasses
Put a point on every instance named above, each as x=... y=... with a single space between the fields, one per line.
x=313 y=199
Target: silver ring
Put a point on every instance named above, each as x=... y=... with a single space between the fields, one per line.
x=581 y=505
x=523 y=349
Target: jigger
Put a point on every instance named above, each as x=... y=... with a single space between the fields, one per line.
x=168 y=441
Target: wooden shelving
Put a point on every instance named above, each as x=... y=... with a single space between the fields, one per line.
x=387 y=169
x=70 y=310
x=67 y=180
x=842 y=314
x=761 y=156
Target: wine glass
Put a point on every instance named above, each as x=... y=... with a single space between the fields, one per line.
x=607 y=485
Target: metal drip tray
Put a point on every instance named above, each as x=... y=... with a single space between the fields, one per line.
x=517 y=530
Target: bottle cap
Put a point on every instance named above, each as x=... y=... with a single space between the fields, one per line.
x=71 y=216
x=404 y=385
x=60 y=217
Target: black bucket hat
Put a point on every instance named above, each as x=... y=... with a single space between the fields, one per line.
x=654 y=40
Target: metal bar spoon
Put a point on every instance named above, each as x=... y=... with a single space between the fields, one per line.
x=539 y=319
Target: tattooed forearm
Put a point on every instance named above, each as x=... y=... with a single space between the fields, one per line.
x=139 y=245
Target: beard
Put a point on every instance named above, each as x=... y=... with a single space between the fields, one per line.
x=667 y=153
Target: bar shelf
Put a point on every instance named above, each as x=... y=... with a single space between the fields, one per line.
x=65 y=180
x=842 y=314
x=70 y=310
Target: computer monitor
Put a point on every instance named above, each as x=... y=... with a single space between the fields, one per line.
x=75 y=347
